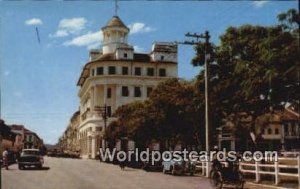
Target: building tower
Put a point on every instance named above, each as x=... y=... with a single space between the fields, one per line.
x=115 y=35
x=116 y=75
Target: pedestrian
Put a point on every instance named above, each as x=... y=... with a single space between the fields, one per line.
x=122 y=163
x=5 y=158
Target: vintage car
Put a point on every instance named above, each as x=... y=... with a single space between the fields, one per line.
x=179 y=167
x=151 y=166
x=30 y=157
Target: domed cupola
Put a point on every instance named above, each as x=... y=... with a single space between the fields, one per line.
x=115 y=34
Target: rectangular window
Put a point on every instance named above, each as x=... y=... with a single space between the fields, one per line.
x=93 y=72
x=162 y=58
x=125 y=55
x=108 y=111
x=137 y=71
x=162 y=72
x=125 y=91
x=111 y=70
x=100 y=71
x=125 y=70
x=149 y=90
x=108 y=93
x=137 y=92
x=150 y=71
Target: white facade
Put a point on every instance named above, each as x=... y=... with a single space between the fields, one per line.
x=116 y=75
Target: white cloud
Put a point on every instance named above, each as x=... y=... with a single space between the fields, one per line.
x=139 y=27
x=138 y=49
x=72 y=25
x=60 y=33
x=69 y=26
x=259 y=4
x=91 y=39
x=33 y=22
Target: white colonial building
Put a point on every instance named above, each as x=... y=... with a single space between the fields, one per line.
x=116 y=75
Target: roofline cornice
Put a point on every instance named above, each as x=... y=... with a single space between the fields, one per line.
x=86 y=66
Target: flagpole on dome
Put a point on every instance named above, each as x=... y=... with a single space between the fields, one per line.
x=116 y=7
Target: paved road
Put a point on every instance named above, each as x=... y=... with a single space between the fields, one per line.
x=61 y=173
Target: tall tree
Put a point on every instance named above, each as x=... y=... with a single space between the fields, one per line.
x=253 y=67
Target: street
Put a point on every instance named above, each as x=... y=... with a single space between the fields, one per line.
x=59 y=173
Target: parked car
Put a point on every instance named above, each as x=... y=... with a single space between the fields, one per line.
x=30 y=157
x=179 y=167
x=149 y=166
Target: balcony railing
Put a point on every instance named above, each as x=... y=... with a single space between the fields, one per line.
x=85 y=114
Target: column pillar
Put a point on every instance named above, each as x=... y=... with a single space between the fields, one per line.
x=232 y=144
x=144 y=92
x=93 y=146
x=104 y=93
x=95 y=95
x=118 y=95
x=92 y=98
x=282 y=140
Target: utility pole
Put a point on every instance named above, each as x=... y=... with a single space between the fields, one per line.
x=1 y=165
x=1 y=150
x=205 y=36
x=104 y=116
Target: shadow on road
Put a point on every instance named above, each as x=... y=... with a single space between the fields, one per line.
x=128 y=169
x=232 y=187
x=9 y=169
x=35 y=169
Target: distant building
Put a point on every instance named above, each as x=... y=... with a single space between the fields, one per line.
x=19 y=130
x=69 y=142
x=17 y=137
x=32 y=140
x=7 y=137
x=277 y=130
x=282 y=132
x=234 y=134
x=116 y=75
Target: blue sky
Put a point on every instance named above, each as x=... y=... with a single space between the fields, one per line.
x=38 y=80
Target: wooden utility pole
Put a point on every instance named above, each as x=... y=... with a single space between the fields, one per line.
x=205 y=36
x=1 y=155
